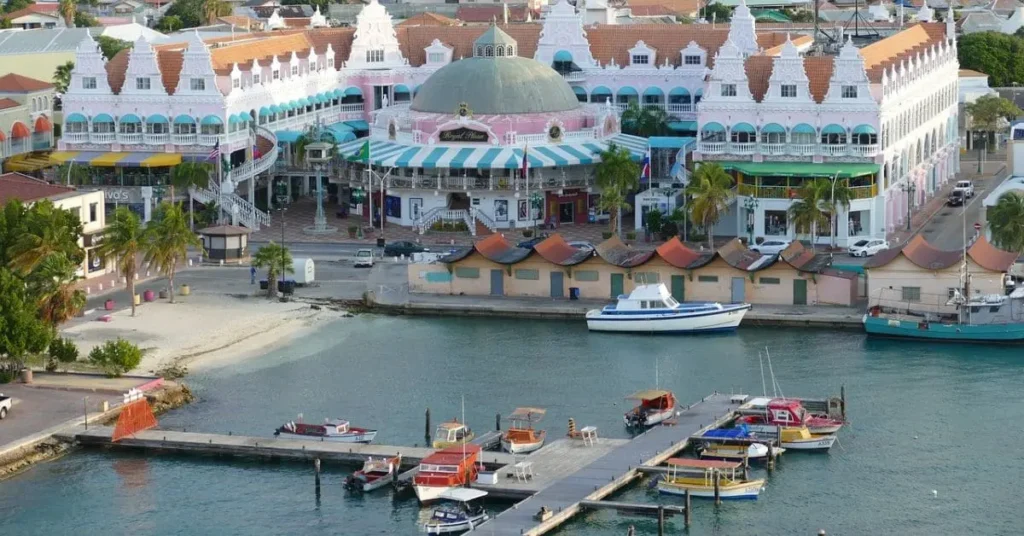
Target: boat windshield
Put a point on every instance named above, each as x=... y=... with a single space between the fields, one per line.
x=671 y=302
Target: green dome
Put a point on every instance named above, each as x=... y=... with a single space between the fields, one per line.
x=495 y=85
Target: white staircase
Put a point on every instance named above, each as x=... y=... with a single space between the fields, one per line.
x=484 y=219
x=436 y=214
x=234 y=205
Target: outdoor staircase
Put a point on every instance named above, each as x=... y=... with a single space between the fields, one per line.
x=239 y=208
x=445 y=214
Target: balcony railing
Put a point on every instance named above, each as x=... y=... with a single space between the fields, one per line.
x=798 y=149
x=712 y=147
x=743 y=148
x=102 y=137
x=157 y=139
x=803 y=149
x=833 y=149
x=76 y=137
x=129 y=137
x=184 y=139
x=575 y=76
x=774 y=148
x=208 y=139
x=674 y=107
x=357 y=107
x=864 y=150
x=792 y=192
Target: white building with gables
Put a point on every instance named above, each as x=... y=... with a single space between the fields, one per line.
x=882 y=118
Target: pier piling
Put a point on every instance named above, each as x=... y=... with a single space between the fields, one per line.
x=686 y=504
x=426 y=429
x=497 y=422
x=661 y=520
x=316 y=473
x=718 y=488
x=771 y=458
x=842 y=401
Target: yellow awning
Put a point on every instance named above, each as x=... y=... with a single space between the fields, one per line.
x=59 y=157
x=108 y=159
x=161 y=160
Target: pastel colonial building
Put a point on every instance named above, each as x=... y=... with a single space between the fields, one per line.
x=876 y=117
x=882 y=118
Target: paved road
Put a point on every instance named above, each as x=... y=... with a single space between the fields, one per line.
x=38 y=409
x=946 y=229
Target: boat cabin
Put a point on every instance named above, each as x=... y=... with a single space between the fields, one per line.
x=646 y=297
x=451 y=432
x=459 y=504
x=653 y=400
x=448 y=467
x=521 y=429
x=682 y=468
x=330 y=427
x=786 y=412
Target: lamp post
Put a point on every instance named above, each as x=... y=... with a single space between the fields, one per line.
x=834 y=219
x=909 y=187
x=750 y=204
x=283 y=210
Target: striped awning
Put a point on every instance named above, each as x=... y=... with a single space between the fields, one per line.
x=121 y=159
x=392 y=154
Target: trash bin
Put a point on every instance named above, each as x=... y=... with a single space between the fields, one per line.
x=26 y=375
x=264 y=285
x=380 y=242
x=148 y=296
x=185 y=290
x=108 y=305
x=286 y=287
x=574 y=293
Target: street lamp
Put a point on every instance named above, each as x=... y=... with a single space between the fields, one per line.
x=283 y=210
x=750 y=204
x=909 y=187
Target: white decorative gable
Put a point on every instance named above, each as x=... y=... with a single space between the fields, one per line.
x=329 y=56
x=849 y=83
x=438 y=54
x=642 y=55
x=741 y=30
x=788 y=82
x=925 y=14
x=318 y=20
x=375 y=45
x=563 y=32
x=728 y=80
x=143 y=74
x=276 y=21
x=197 y=76
x=90 y=73
x=693 y=57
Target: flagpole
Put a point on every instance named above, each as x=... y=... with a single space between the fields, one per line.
x=220 y=184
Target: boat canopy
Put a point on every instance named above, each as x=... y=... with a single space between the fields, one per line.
x=728 y=433
x=451 y=425
x=703 y=464
x=463 y=494
x=649 y=394
x=527 y=414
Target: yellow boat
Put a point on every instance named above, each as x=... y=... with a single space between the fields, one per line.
x=451 y=434
x=801 y=438
x=685 y=475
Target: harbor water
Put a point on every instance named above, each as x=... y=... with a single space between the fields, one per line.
x=933 y=448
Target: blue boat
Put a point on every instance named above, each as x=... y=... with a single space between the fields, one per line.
x=986 y=318
x=652 y=309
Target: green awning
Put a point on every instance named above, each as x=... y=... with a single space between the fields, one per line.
x=683 y=126
x=668 y=142
x=801 y=169
x=773 y=128
x=803 y=128
x=358 y=124
x=563 y=55
x=833 y=129
x=864 y=129
x=743 y=127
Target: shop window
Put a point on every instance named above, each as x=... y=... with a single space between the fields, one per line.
x=467 y=273
x=586 y=275
x=707 y=278
x=528 y=273
x=912 y=294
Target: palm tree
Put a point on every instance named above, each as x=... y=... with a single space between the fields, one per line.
x=710 y=190
x=838 y=196
x=67 y=11
x=277 y=260
x=213 y=9
x=168 y=241
x=617 y=176
x=644 y=121
x=123 y=240
x=62 y=77
x=51 y=230
x=53 y=284
x=1006 y=222
x=188 y=175
x=808 y=212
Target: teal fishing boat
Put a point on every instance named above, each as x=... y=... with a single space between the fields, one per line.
x=986 y=318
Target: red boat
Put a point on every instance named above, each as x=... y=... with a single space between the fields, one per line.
x=445 y=469
x=376 y=473
x=765 y=415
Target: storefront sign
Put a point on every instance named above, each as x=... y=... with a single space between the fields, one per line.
x=123 y=194
x=463 y=135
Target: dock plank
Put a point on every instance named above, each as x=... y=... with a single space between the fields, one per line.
x=616 y=468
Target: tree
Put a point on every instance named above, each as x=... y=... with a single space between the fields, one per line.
x=717 y=12
x=169 y=24
x=72 y=175
x=990 y=113
x=838 y=196
x=617 y=176
x=116 y=357
x=5 y=23
x=22 y=332
x=277 y=260
x=808 y=211
x=999 y=56
x=85 y=20
x=53 y=284
x=710 y=190
x=645 y=121
x=16 y=5
x=49 y=230
x=188 y=175
x=215 y=8
x=1006 y=221
x=168 y=242
x=110 y=46
x=62 y=77
x=62 y=351
x=122 y=242
x=798 y=15
x=188 y=12
x=67 y=10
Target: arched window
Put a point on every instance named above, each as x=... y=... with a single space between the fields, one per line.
x=479 y=51
x=489 y=51
x=500 y=51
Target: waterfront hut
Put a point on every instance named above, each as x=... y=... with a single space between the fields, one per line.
x=481 y=270
x=919 y=272
x=553 y=261
x=729 y=277
x=678 y=263
x=619 y=269
x=225 y=242
x=800 y=276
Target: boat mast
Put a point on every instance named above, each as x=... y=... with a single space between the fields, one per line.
x=775 y=386
x=760 y=361
x=965 y=278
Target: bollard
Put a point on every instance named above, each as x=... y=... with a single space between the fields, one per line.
x=661 y=520
x=718 y=488
x=101 y=286
x=426 y=428
x=842 y=401
x=190 y=262
x=686 y=503
x=497 y=422
x=88 y=291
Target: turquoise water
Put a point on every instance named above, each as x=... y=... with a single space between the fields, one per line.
x=924 y=417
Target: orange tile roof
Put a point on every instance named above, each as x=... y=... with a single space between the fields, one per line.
x=882 y=54
x=735 y=254
x=927 y=256
x=614 y=251
x=16 y=83
x=650 y=11
x=478 y=14
x=497 y=249
x=428 y=19
x=35 y=9
x=242 y=21
x=6 y=103
x=683 y=8
x=25 y=188
x=677 y=254
x=989 y=257
x=413 y=40
x=817 y=68
x=556 y=250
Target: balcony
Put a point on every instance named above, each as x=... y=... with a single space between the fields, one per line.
x=157 y=139
x=102 y=137
x=129 y=137
x=833 y=149
x=712 y=147
x=356 y=107
x=676 y=108
x=184 y=139
x=791 y=192
x=209 y=139
x=75 y=137
x=802 y=149
x=575 y=76
x=773 y=148
x=866 y=151
x=742 y=148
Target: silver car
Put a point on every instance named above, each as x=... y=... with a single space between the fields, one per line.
x=364 y=258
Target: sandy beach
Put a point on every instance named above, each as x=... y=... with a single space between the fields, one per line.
x=203 y=330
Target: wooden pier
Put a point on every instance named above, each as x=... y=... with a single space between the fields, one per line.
x=617 y=467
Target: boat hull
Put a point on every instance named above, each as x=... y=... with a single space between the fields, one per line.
x=518 y=447
x=749 y=490
x=814 y=443
x=429 y=494
x=458 y=526
x=727 y=319
x=652 y=418
x=362 y=437
x=935 y=331
x=820 y=429
x=754 y=452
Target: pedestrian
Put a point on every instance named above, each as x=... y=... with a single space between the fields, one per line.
x=252 y=275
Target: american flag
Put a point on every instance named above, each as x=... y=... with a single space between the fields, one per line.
x=215 y=152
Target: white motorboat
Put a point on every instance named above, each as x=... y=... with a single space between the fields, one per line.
x=652 y=309
x=331 y=430
x=458 y=512
x=751 y=452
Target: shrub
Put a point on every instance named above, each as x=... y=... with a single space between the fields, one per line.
x=449 y=226
x=631 y=235
x=116 y=357
x=61 y=351
x=606 y=234
x=527 y=233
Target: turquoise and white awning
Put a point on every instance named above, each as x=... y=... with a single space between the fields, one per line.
x=392 y=154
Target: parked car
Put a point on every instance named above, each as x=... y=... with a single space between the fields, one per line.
x=583 y=245
x=6 y=403
x=403 y=247
x=528 y=244
x=771 y=247
x=867 y=248
x=364 y=258
x=967 y=187
x=956 y=198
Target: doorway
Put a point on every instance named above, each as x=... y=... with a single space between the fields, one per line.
x=617 y=286
x=799 y=292
x=458 y=201
x=557 y=284
x=679 y=288
x=738 y=286
x=497 y=282
x=566 y=212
